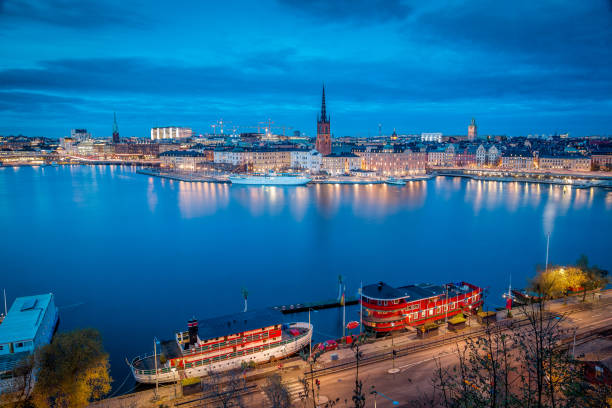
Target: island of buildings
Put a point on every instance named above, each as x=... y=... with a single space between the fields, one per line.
x=179 y=149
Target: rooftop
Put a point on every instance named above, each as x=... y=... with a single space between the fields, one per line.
x=238 y=323
x=24 y=317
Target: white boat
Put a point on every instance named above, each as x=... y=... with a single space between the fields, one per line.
x=395 y=182
x=270 y=179
x=222 y=344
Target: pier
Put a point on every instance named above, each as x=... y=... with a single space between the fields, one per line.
x=326 y=304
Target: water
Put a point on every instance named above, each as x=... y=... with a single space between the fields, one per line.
x=136 y=256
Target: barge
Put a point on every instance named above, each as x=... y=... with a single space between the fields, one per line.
x=387 y=309
x=221 y=344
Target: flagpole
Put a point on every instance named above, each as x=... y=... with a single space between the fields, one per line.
x=360 y=307
x=343 y=311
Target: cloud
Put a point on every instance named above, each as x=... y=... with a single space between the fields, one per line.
x=72 y=14
x=356 y=11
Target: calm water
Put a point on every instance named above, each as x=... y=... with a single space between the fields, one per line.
x=136 y=256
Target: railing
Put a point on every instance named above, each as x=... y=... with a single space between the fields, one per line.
x=223 y=357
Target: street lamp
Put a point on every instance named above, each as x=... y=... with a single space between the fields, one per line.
x=311 y=332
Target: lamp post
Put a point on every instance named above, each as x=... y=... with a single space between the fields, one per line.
x=156 y=373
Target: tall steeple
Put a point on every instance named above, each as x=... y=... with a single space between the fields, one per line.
x=323 y=142
x=323 y=117
x=115 y=129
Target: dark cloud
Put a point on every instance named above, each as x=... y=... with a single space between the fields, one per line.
x=358 y=11
x=74 y=14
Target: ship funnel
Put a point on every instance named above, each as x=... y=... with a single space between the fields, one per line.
x=193 y=331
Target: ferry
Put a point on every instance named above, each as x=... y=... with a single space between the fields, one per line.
x=387 y=309
x=395 y=182
x=270 y=179
x=221 y=344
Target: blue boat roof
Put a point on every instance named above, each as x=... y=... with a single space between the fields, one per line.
x=24 y=317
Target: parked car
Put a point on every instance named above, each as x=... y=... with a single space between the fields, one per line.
x=328 y=345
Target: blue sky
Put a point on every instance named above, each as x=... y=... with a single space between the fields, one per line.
x=518 y=67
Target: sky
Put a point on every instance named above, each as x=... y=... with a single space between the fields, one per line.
x=518 y=67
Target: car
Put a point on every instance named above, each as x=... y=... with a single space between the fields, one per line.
x=328 y=345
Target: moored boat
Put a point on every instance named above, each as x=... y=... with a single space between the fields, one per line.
x=387 y=309
x=270 y=179
x=221 y=344
x=395 y=182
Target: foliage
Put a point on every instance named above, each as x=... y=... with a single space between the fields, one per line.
x=277 y=393
x=189 y=381
x=73 y=370
x=226 y=387
x=595 y=276
x=556 y=281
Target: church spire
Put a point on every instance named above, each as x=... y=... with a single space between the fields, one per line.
x=323 y=111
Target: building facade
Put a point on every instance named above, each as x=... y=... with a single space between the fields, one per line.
x=336 y=164
x=565 y=162
x=472 y=131
x=171 y=132
x=323 y=142
x=183 y=160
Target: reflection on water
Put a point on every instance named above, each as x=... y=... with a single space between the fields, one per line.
x=200 y=199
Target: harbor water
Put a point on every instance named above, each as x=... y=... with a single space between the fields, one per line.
x=136 y=256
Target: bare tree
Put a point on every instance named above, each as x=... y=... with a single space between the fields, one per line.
x=358 y=398
x=17 y=394
x=277 y=393
x=226 y=387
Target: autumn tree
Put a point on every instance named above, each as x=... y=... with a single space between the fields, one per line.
x=595 y=276
x=72 y=370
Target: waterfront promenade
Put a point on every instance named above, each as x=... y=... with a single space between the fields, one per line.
x=413 y=364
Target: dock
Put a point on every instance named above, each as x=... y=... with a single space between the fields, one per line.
x=326 y=304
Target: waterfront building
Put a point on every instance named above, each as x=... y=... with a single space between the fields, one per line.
x=29 y=323
x=493 y=155
x=171 y=132
x=336 y=164
x=323 y=142
x=465 y=157
x=435 y=156
x=387 y=309
x=514 y=159
x=185 y=160
x=390 y=161
x=449 y=155
x=431 y=137
x=115 y=129
x=481 y=155
x=602 y=159
x=472 y=131
x=564 y=162
x=268 y=159
x=235 y=156
x=308 y=160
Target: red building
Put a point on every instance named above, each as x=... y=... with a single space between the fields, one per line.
x=387 y=309
x=323 y=142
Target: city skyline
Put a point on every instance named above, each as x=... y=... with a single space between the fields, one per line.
x=518 y=69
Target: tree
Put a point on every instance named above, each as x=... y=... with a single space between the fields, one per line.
x=311 y=358
x=277 y=393
x=595 y=276
x=226 y=387
x=73 y=370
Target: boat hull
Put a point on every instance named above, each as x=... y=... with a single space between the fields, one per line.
x=166 y=375
x=270 y=180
